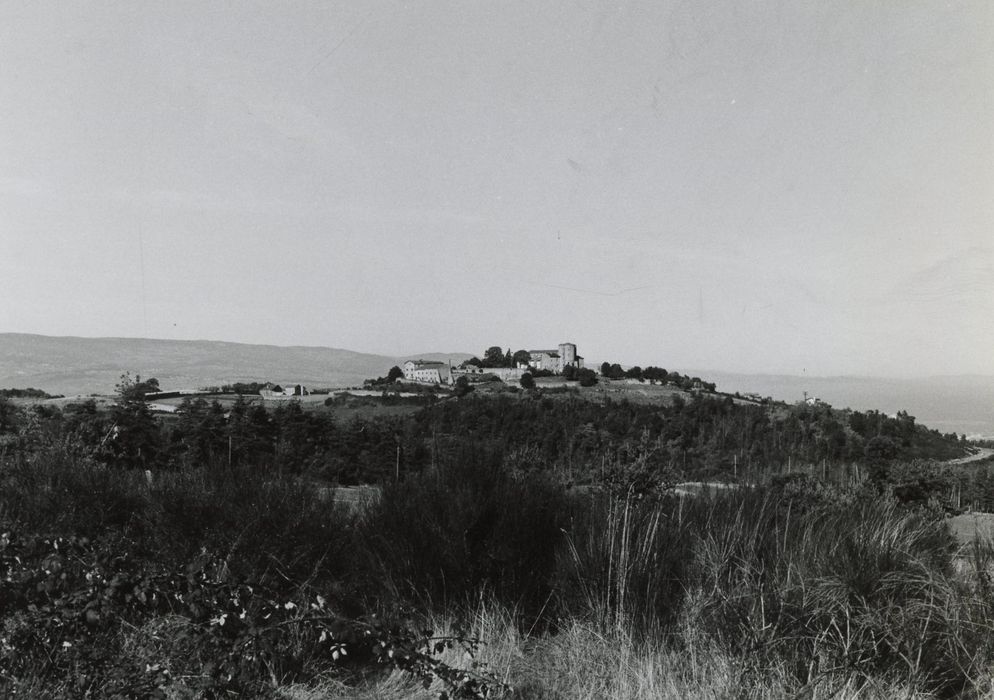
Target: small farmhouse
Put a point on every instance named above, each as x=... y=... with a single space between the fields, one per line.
x=275 y=391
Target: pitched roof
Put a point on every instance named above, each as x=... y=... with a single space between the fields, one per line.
x=426 y=364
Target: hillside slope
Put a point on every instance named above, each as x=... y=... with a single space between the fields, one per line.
x=961 y=404
x=72 y=365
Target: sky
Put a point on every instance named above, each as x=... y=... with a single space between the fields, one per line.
x=801 y=187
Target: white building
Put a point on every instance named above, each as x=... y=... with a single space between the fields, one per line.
x=426 y=371
x=273 y=391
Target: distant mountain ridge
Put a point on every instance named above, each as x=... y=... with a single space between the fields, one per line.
x=74 y=365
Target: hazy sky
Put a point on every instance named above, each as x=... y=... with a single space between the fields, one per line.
x=796 y=187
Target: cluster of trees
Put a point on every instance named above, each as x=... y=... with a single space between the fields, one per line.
x=586 y=377
x=495 y=356
x=654 y=374
x=703 y=437
x=206 y=433
x=394 y=374
x=28 y=393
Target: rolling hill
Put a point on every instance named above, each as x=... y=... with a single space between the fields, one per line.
x=72 y=365
x=958 y=403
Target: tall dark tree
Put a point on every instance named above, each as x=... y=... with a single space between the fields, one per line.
x=135 y=439
x=521 y=357
x=493 y=357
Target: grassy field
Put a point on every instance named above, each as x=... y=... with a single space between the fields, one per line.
x=631 y=390
x=970 y=526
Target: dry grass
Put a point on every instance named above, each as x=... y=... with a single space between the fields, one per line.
x=969 y=526
x=581 y=663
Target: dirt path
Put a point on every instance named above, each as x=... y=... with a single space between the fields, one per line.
x=981 y=453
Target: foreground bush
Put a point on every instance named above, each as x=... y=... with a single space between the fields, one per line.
x=441 y=538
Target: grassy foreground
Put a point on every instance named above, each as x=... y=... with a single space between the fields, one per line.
x=464 y=581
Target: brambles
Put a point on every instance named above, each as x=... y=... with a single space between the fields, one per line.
x=66 y=601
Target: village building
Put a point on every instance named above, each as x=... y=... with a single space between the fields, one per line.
x=436 y=372
x=290 y=391
x=555 y=361
x=426 y=371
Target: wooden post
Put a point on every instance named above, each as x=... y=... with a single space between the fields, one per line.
x=396 y=473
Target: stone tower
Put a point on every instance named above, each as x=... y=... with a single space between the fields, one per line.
x=567 y=355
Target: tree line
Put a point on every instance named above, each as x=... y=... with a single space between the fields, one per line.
x=564 y=435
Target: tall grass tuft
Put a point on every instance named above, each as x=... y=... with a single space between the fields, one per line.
x=442 y=537
x=827 y=593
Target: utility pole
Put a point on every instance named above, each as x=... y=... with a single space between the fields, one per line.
x=397 y=467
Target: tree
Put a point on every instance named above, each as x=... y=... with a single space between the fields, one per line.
x=654 y=374
x=493 y=357
x=463 y=387
x=521 y=357
x=508 y=358
x=9 y=415
x=527 y=381
x=586 y=376
x=880 y=449
x=569 y=373
x=634 y=372
x=605 y=369
x=394 y=374
x=135 y=438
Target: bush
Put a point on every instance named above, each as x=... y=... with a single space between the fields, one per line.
x=442 y=537
x=587 y=377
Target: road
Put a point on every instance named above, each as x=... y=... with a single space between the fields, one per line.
x=981 y=453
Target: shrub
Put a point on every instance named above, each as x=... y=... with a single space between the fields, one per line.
x=443 y=536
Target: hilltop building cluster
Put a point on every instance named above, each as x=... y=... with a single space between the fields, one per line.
x=436 y=372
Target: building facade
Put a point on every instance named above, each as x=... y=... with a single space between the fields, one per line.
x=557 y=360
x=426 y=371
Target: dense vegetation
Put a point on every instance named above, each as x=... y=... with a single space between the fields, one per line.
x=224 y=571
x=28 y=393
